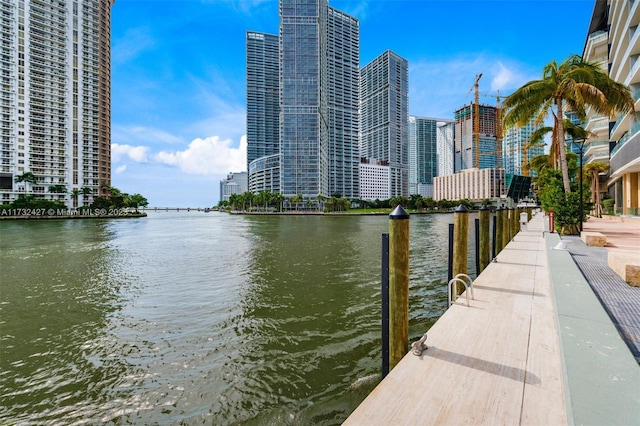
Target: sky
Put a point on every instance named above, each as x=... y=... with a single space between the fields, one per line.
x=178 y=92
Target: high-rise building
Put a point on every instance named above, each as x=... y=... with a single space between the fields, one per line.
x=384 y=108
x=613 y=42
x=469 y=153
x=374 y=180
x=263 y=112
x=515 y=146
x=343 y=65
x=426 y=135
x=263 y=88
x=56 y=106
x=317 y=63
x=234 y=183
x=446 y=132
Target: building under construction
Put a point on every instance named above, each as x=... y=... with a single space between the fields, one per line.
x=476 y=141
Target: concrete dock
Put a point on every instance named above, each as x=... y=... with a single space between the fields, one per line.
x=535 y=347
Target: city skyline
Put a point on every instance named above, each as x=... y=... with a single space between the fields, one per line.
x=178 y=90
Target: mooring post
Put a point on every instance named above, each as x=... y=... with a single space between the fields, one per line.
x=493 y=236
x=450 y=264
x=499 y=228
x=476 y=223
x=515 y=222
x=460 y=242
x=385 y=304
x=484 y=237
x=398 y=285
x=505 y=227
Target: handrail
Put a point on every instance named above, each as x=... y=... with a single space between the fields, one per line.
x=468 y=286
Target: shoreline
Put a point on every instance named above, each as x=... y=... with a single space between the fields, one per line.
x=76 y=216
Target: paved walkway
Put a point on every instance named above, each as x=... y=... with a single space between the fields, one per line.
x=620 y=300
x=535 y=347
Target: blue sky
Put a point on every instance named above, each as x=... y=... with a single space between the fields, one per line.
x=178 y=74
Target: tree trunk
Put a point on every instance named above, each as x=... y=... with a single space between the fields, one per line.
x=597 y=196
x=563 y=152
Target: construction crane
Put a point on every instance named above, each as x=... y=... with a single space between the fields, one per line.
x=499 y=130
x=499 y=135
x=476 y=119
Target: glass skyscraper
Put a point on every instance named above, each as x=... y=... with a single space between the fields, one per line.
x=384 y=106
x=263 y=86
x=515 y=145
x=317 y=94
x=430 y=149
x=263 y=112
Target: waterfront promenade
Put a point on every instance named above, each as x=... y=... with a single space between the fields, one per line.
x=535 y=347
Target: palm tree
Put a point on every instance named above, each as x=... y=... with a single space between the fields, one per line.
x=539 y=162
x=85 y=191
x=75 y=193
x=573 y=85
x=27 y=178
x=57 y=189
x=234 y=200
x=320 y=199
x=296 y=199
x=594 y=169
x=278 y=199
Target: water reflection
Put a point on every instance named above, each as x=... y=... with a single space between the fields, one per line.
x=311 y=305
x=192 y=317
x=57 y=295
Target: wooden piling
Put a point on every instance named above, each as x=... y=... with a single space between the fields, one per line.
x=460 y=243
x=398 y=285
x=485 y=255
x=505 y=227
x=515 y=225
x=499 y=227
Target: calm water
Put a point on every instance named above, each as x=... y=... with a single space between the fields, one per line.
x=194 y=318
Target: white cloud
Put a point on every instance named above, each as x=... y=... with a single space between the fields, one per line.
x=209 y=156
x=439 y=87
x=135 y=41
x=121 y=169
x=142 y=135
x=138 y=154
x=502 y=78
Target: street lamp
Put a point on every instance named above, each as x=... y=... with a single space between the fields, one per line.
x=580 y=143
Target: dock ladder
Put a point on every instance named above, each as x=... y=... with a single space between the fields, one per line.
x=468 y=286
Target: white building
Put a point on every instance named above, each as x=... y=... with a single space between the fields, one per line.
x=384 y=116
x=375 y=183
x=56 y=105
x=235 y=183
x=472 y=184
x=446 y=131
x=613 y=41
